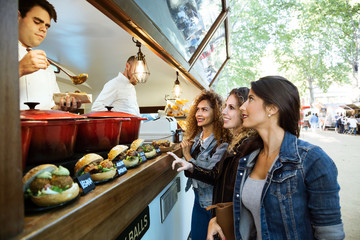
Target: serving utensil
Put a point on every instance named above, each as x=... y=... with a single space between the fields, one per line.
x=79 y=79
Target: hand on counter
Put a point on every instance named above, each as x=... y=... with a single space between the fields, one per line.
x=68 y=103
x=32 y=62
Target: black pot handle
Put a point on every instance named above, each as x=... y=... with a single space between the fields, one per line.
x=31 y=105
x=109 y=108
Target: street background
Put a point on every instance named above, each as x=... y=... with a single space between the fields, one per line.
x=345 y=151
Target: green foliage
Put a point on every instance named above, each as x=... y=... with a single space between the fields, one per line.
x=316 y=43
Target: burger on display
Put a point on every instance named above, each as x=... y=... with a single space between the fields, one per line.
x=130 y=157
x=98 y=168
x=164 y=145
x=48 y=185
x=148 y=149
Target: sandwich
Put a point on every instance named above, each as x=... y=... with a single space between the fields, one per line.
x=148 y=149
x=48 y=185
x=98 y=168
x=130 y=157
x=117 y=153
x=161 y=143
x=164 y=145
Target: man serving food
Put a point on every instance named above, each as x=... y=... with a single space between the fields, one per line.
x=37 y=79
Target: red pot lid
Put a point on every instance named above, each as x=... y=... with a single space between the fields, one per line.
x=36 y=114
x=112 y=114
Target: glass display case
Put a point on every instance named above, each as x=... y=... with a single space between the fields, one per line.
x=191 y=35
x=184 y=23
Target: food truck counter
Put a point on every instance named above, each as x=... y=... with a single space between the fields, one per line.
x=107 y=210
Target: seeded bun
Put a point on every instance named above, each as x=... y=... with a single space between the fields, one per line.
x=86 y=160
x=31 y=175
x=136 y=144
x=115 y=151
x=54 y=199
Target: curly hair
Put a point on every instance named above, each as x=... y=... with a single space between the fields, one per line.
x=241 y=133
x=220 y=133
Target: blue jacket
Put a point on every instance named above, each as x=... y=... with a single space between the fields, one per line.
x=300 y=198
x=206 y=159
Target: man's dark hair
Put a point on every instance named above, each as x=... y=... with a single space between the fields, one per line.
x=26 y=5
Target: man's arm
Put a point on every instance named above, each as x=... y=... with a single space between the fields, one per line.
x=105 y=98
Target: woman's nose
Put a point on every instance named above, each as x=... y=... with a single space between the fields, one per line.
x=243 y=106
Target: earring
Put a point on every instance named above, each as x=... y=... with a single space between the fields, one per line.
x=269 y=115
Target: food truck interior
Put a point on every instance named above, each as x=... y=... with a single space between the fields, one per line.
x=96 y=37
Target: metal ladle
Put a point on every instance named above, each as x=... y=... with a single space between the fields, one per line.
x=79 y=79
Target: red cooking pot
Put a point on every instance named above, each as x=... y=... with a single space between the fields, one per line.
x=54 y=140
x=98 y=134
x=26 y=132
x=129 y=130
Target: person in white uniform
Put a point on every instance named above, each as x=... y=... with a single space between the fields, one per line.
x=37 y=78
x=120 y=92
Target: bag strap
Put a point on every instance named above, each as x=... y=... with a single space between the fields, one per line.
x=219 y=205
x=211 y=207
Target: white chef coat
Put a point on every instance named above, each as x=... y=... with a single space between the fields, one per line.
x=38 y=86
x=120 y=94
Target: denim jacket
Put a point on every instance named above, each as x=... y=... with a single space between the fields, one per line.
x=207 y=161
x=300 y=198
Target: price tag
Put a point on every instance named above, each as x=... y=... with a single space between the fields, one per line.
x=143 y=157
x=158 y=151
x=120 y=167
x=86 y=183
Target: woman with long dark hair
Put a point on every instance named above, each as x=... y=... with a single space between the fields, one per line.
x=286 y=189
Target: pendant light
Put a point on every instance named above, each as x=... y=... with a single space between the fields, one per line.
x=141 y=72
x=176 y=89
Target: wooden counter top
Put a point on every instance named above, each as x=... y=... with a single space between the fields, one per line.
x=106 y=211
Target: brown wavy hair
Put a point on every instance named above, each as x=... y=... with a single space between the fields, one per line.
x=239 y=135
x=220 y=133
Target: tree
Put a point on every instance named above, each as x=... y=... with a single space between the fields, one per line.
x=305 y=51
x=249 y=38
x=315 y=42
x=342 y=20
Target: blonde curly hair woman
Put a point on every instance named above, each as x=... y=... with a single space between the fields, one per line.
x=204 y=144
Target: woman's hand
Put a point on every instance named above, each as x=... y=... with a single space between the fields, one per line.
x=186 y=149
x=214 y=229
x=184 y=165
